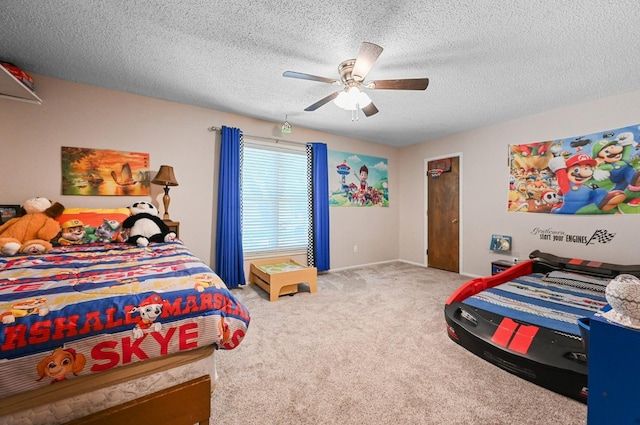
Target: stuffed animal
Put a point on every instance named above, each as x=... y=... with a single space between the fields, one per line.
x=73 y=232
x=109 y=231
x=145 y=225
x=31 y=233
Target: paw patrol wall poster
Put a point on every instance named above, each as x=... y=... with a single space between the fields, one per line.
x=597 y=173
x=102 y=172
x=357 y=180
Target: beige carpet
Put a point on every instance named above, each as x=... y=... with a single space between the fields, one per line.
x=370 y=347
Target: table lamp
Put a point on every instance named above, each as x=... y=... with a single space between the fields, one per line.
x=166 y=178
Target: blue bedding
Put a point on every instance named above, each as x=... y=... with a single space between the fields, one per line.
x=83 y=309
x=552 y=301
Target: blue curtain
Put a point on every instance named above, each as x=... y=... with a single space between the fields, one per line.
x=229 y=257
x=319 y=231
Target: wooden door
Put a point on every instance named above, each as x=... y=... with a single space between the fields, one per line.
x=443 y=216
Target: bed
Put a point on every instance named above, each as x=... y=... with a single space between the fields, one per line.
x=532 y=319
x=84 y=397
x=85 y=322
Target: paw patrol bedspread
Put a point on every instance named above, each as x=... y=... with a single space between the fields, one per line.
x=83 y=309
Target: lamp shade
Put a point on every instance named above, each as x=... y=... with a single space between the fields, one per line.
x=165 y=176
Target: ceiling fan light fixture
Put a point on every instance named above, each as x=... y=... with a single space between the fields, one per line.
x=353 y=73
x=352 y=99
x=363 y=100
x=341 y=100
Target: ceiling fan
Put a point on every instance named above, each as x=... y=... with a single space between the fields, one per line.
x=352 y=77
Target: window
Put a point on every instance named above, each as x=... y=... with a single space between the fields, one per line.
x=275 y=214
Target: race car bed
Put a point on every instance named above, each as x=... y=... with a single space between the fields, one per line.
x=527 y=318
x=82 y=311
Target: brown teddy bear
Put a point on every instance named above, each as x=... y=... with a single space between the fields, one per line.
x=31 y=233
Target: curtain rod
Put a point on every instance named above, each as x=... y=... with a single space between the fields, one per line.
x=272 y=139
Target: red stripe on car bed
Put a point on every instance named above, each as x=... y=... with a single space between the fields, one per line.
x=504 y=332
x=523 y=338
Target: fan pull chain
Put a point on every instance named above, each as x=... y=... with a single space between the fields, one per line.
x=355 y=116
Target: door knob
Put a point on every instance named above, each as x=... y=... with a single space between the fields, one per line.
x=454 y=221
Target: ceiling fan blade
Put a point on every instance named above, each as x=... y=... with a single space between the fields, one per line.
x=322 y=101
x=369 y=53
x=369 y=110
x=303 y=76
x=406 y=84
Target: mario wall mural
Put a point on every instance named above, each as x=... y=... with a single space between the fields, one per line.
x=594 y=174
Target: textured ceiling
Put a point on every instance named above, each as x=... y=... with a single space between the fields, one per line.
x=487 y=61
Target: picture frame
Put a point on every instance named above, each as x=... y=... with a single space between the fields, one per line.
x=104 y=172
x=500 y=243
x=7 y=212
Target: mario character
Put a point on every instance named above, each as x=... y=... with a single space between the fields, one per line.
x=613 y=157
x=544 y=202
x=516 y=202
x=25 y=308
x=534 y=187
x=550 y=197
x=531 y=156
x=571 y=176
x=532 y=149
x=72 y=232
x=150 y=309
x=60 y=363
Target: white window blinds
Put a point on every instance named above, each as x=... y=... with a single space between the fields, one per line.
x=274 y=198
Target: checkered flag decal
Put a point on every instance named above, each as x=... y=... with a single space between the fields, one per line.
x=601 y=236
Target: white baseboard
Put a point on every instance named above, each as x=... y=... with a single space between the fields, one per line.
x=362 y=265
x=394 y=261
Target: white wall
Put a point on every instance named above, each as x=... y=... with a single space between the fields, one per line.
x=372 y=229
x=79 y=115
x=86 y=116
x=485 y=173
x=176 y=134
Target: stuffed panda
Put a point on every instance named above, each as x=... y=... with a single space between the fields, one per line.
x=145 y=225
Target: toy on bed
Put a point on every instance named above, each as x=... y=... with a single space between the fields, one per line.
x=80 y=226
x=145 y=225
x=31 y=233
x=72 y=232
x=528 y=318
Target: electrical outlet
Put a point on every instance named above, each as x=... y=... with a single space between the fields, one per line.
x=355 y=248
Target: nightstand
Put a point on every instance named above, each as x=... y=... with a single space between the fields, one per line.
x=498 y=266
x=174 y=226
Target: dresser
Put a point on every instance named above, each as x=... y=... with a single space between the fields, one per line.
x=614 y=374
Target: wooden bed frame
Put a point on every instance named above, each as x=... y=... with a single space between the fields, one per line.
x=186 y=403
x=283 y=283
x=183 y=404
